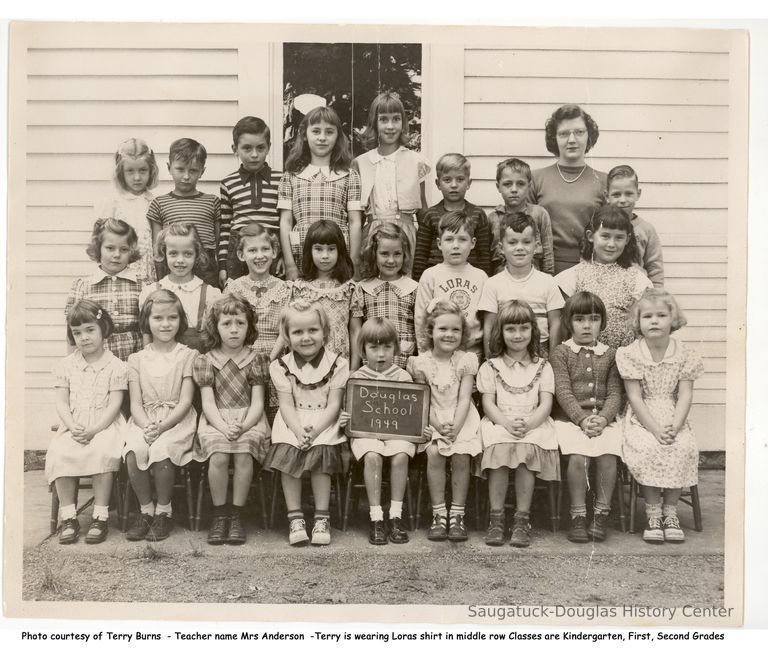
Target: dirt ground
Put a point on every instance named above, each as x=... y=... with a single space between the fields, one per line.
x=319 y=576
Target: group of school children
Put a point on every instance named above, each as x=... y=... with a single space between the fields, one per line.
x=337 y=269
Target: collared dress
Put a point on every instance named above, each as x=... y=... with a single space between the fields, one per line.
x=195 y=296
x=391 y=190
x=587 y=382
x=89 y=386
x=653 y=464
x=386 y=447
x=392 y=300
x=119 y=296
x=517 y=386
x=317 y=193
x=444 y=380
x=232 y=380
x=309 y=384
x=132 y=209
x=335 y=298
x=618 y=287
x=159 y=376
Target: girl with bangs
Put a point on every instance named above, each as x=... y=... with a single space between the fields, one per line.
x=327 y=279
x=392 y=176
x=608 y=269
x=232 y=379
x=318 y=184
x=517 y=387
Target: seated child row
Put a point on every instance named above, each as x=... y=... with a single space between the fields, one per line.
x=385 y=185
x=517 y=387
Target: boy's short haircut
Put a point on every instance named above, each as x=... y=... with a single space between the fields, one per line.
x=456 y=220
x=622 y=171
x=517 y=222
x=517 y=165
x=251 y=126
x=187 y=150
x=452 y=162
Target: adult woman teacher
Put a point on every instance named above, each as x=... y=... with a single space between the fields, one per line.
x=569 y=190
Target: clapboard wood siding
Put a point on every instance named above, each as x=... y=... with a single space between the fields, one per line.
x=81 y=103
x=663 y=112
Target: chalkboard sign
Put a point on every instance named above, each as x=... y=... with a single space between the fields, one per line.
x=386 y=409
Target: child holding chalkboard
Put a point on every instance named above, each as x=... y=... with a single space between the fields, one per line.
x=378 y=344
x=306 y=435
x=453 y=420
x=518 y=388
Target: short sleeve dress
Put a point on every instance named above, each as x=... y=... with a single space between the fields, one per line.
x=389 y=447
x=232 y=380
x=335 y=298
x=392 y=300
x=444 y=380
x=587 y=383
x=653 y=464
x=160 y=375
x=309 y=383
x=517 y=386
x=89 y=386
x=618 y=287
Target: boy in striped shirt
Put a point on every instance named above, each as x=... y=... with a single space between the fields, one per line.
x=248 y=195
x=185 y=204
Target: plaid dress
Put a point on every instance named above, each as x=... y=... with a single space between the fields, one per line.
x=267 y=298
x=393 y=300
x=119 y=296
x=335 y=299
x=232 y=380
x=318 y=194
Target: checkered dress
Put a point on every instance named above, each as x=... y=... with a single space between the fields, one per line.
x=267 y=298
x=393 y=300
x=119 y=296
x=232 y=380
x=335 y=299
x=312 y=196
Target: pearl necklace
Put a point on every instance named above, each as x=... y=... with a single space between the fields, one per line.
x=565 y=179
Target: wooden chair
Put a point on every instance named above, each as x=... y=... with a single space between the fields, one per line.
x=356 y=484
x=689 y=496
x=257 y=484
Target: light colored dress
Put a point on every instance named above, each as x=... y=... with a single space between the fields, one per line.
x=444 y=380
x=653 y=464
x=232 y=380
x=618 y=287
x=388 y=447
x=517 y=386
x=132 y=209
x=160 y=375
x=89 y=387
x=335 y=298
x=309 y=383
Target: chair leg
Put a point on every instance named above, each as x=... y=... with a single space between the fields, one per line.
x=618 y=492
x=347 y=501
x=554 y=514
x=54 y=508
x=273 y=503
x=409 y=501
x=262 y=500
x=419 y=497
x=696 y=504
x=339 y=482
x=632 y=504
x=190 y=498
x=114 y=496
x=126 y=506
x=200 y=495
